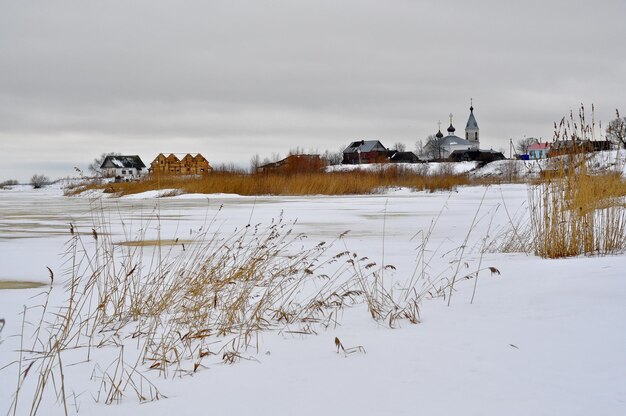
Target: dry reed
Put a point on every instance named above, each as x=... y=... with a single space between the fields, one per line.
x=307 y=183
x=571 y=211
x=184 y=309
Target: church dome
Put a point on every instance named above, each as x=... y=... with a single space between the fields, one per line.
x=439 y=134
x=451 y=129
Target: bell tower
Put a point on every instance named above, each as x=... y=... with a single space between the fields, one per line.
x=471 y=128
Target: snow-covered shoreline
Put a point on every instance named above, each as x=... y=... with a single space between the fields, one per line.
x=544 y=337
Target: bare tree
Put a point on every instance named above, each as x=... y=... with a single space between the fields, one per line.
x=333 y=158
x=434 y=147
x=255 y=162
x=94 y=167
x=9 y=182
x=400 y=147
x=522 y=145
x=39 y=181
x=229 y=167
x=616 y=130
x=419 y=147
x=296 y=151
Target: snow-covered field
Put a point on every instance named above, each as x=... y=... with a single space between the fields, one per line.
x=598 y=162
x=544 y=337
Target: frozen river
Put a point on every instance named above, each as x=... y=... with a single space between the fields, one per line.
x=544 y=337
x=35 y=224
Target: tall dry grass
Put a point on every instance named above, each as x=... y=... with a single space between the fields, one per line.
x=571 y=210
x=576 y=213
x=306 y=183
x=172 y=310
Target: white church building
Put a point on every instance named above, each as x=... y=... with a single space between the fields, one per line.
x=444 y=146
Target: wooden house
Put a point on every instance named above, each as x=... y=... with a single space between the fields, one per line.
x=172 y=165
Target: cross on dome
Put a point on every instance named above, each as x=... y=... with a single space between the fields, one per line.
x=451 y=129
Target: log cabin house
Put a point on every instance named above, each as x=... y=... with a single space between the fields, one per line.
x=172 y=165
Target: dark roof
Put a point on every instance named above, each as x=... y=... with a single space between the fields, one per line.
x=485 y=156
x=285 y=161
x=365 y=146
x=471 y=121
x=133 y=161
x=409 y=157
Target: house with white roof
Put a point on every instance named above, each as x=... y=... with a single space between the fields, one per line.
x=123 y=167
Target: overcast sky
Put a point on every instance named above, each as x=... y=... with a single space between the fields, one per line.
x=230 y=79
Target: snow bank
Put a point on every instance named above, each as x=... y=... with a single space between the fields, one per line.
x=544 y=337
x=429 y=168
x=598 y=162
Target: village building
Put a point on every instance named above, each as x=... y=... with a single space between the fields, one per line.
x=538 y=151
x=403 y=157
x=481 y=156
x=564 y=147
x=443 y=146
x=365 y=151
x=172 y=165
x=294 y=164
x=123 y=168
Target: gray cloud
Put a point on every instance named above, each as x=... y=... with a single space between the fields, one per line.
x=230 y=79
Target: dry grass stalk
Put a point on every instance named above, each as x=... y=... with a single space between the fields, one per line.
x=350 y=350
x=310 y=183
x=210 y=301
x=571 y=210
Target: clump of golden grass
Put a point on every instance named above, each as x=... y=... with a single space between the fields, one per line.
x=572 y=211
x=576 y=213
x=304 y=183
